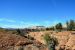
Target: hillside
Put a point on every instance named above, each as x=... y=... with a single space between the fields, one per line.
x=66 y=39
x=9 y=41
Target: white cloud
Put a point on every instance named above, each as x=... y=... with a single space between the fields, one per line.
x=51 y=23
x=28 y=23
x=7 y=20
x=16 y=24
x=25 y=25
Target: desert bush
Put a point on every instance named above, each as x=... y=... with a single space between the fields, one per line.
x=50 y=28
x=19 y=32
x=51 y=42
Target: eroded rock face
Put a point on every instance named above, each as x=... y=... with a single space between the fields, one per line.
x=16 y=42
x=9 y=41
x=66 y=39
x=18 y=48
x=31 y=47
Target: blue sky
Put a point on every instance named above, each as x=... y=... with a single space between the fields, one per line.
x=25 y=13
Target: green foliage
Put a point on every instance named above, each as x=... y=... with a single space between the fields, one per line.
x=58 y=27
x=47 y=38
x=19 y=32
x=50 y=41
x=50 y=28
x=14 y=32
x=70 y=25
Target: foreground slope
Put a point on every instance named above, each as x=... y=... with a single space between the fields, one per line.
x=65 y=38
x=9 y=41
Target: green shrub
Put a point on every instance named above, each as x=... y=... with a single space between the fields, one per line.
x=51 y=42
x=58 y=27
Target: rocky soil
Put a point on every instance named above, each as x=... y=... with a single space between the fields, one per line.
x=10 y=41
x=66 y=39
